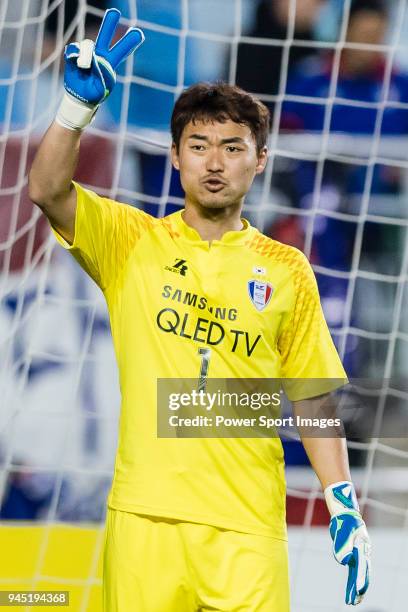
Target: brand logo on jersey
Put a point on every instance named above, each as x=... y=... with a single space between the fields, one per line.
x=179 y=267
x=260 y=293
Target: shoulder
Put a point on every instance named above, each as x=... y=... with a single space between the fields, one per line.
x=400 y=80
x=399 y=74
x=294 y=260
x=112 y=209
x=313 y=67
x=276 y=251
x=309 y=71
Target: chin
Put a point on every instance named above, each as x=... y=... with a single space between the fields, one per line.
x=214 y=203
x=217 y=200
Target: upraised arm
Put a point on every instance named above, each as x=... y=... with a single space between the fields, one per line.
x=50 y=179
x=90 y=75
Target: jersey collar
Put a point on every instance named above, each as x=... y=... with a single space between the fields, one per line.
x=233 y=237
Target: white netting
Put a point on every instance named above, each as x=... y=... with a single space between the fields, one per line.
x=58 y=383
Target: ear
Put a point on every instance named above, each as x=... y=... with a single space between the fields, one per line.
x=262 y=161
x=175 y=157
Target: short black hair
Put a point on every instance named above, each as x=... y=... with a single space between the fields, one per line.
x=372 y=6
x=220 y=102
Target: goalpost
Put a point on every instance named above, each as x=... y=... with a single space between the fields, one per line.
x=59 y=397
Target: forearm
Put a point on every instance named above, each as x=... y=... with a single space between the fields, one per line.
x=54 y=166
x=329 y=459
x=327 y=455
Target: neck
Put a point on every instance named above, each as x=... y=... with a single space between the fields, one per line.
x=212 y=224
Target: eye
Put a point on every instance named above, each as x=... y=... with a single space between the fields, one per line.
x=197 y=147
x=232 y=149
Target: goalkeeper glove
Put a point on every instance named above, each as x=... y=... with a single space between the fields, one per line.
x=90 y=71
x=351 y=544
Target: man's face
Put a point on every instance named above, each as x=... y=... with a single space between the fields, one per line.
x=305 y=14
x=217 y=163
x=367 y=27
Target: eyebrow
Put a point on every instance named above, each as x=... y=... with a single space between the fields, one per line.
x=233 y=139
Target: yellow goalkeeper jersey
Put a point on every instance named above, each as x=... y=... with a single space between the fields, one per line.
x=253 y=300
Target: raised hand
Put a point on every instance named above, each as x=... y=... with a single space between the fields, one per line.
x=90 y=68
x=90 y=71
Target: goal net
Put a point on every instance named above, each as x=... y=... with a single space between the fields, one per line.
x=335 y=187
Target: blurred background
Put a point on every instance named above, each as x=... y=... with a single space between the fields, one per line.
x=334 y=74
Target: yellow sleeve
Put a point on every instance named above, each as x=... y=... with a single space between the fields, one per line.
x=105 y=234
x=305 y=344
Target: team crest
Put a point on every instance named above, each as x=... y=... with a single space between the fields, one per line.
x=260 y=293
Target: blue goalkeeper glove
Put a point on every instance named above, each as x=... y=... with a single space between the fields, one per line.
x=90 y=71
x=351 y=544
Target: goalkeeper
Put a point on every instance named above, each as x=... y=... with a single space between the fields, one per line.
x=196 y=524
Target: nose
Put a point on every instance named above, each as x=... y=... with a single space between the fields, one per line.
x=214 y=160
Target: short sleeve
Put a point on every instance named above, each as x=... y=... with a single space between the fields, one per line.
x=305 y=344
x=105 y=234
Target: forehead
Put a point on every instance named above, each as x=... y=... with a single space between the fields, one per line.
x=216 y=130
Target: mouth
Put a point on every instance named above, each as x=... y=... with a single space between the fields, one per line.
x=214 y=184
